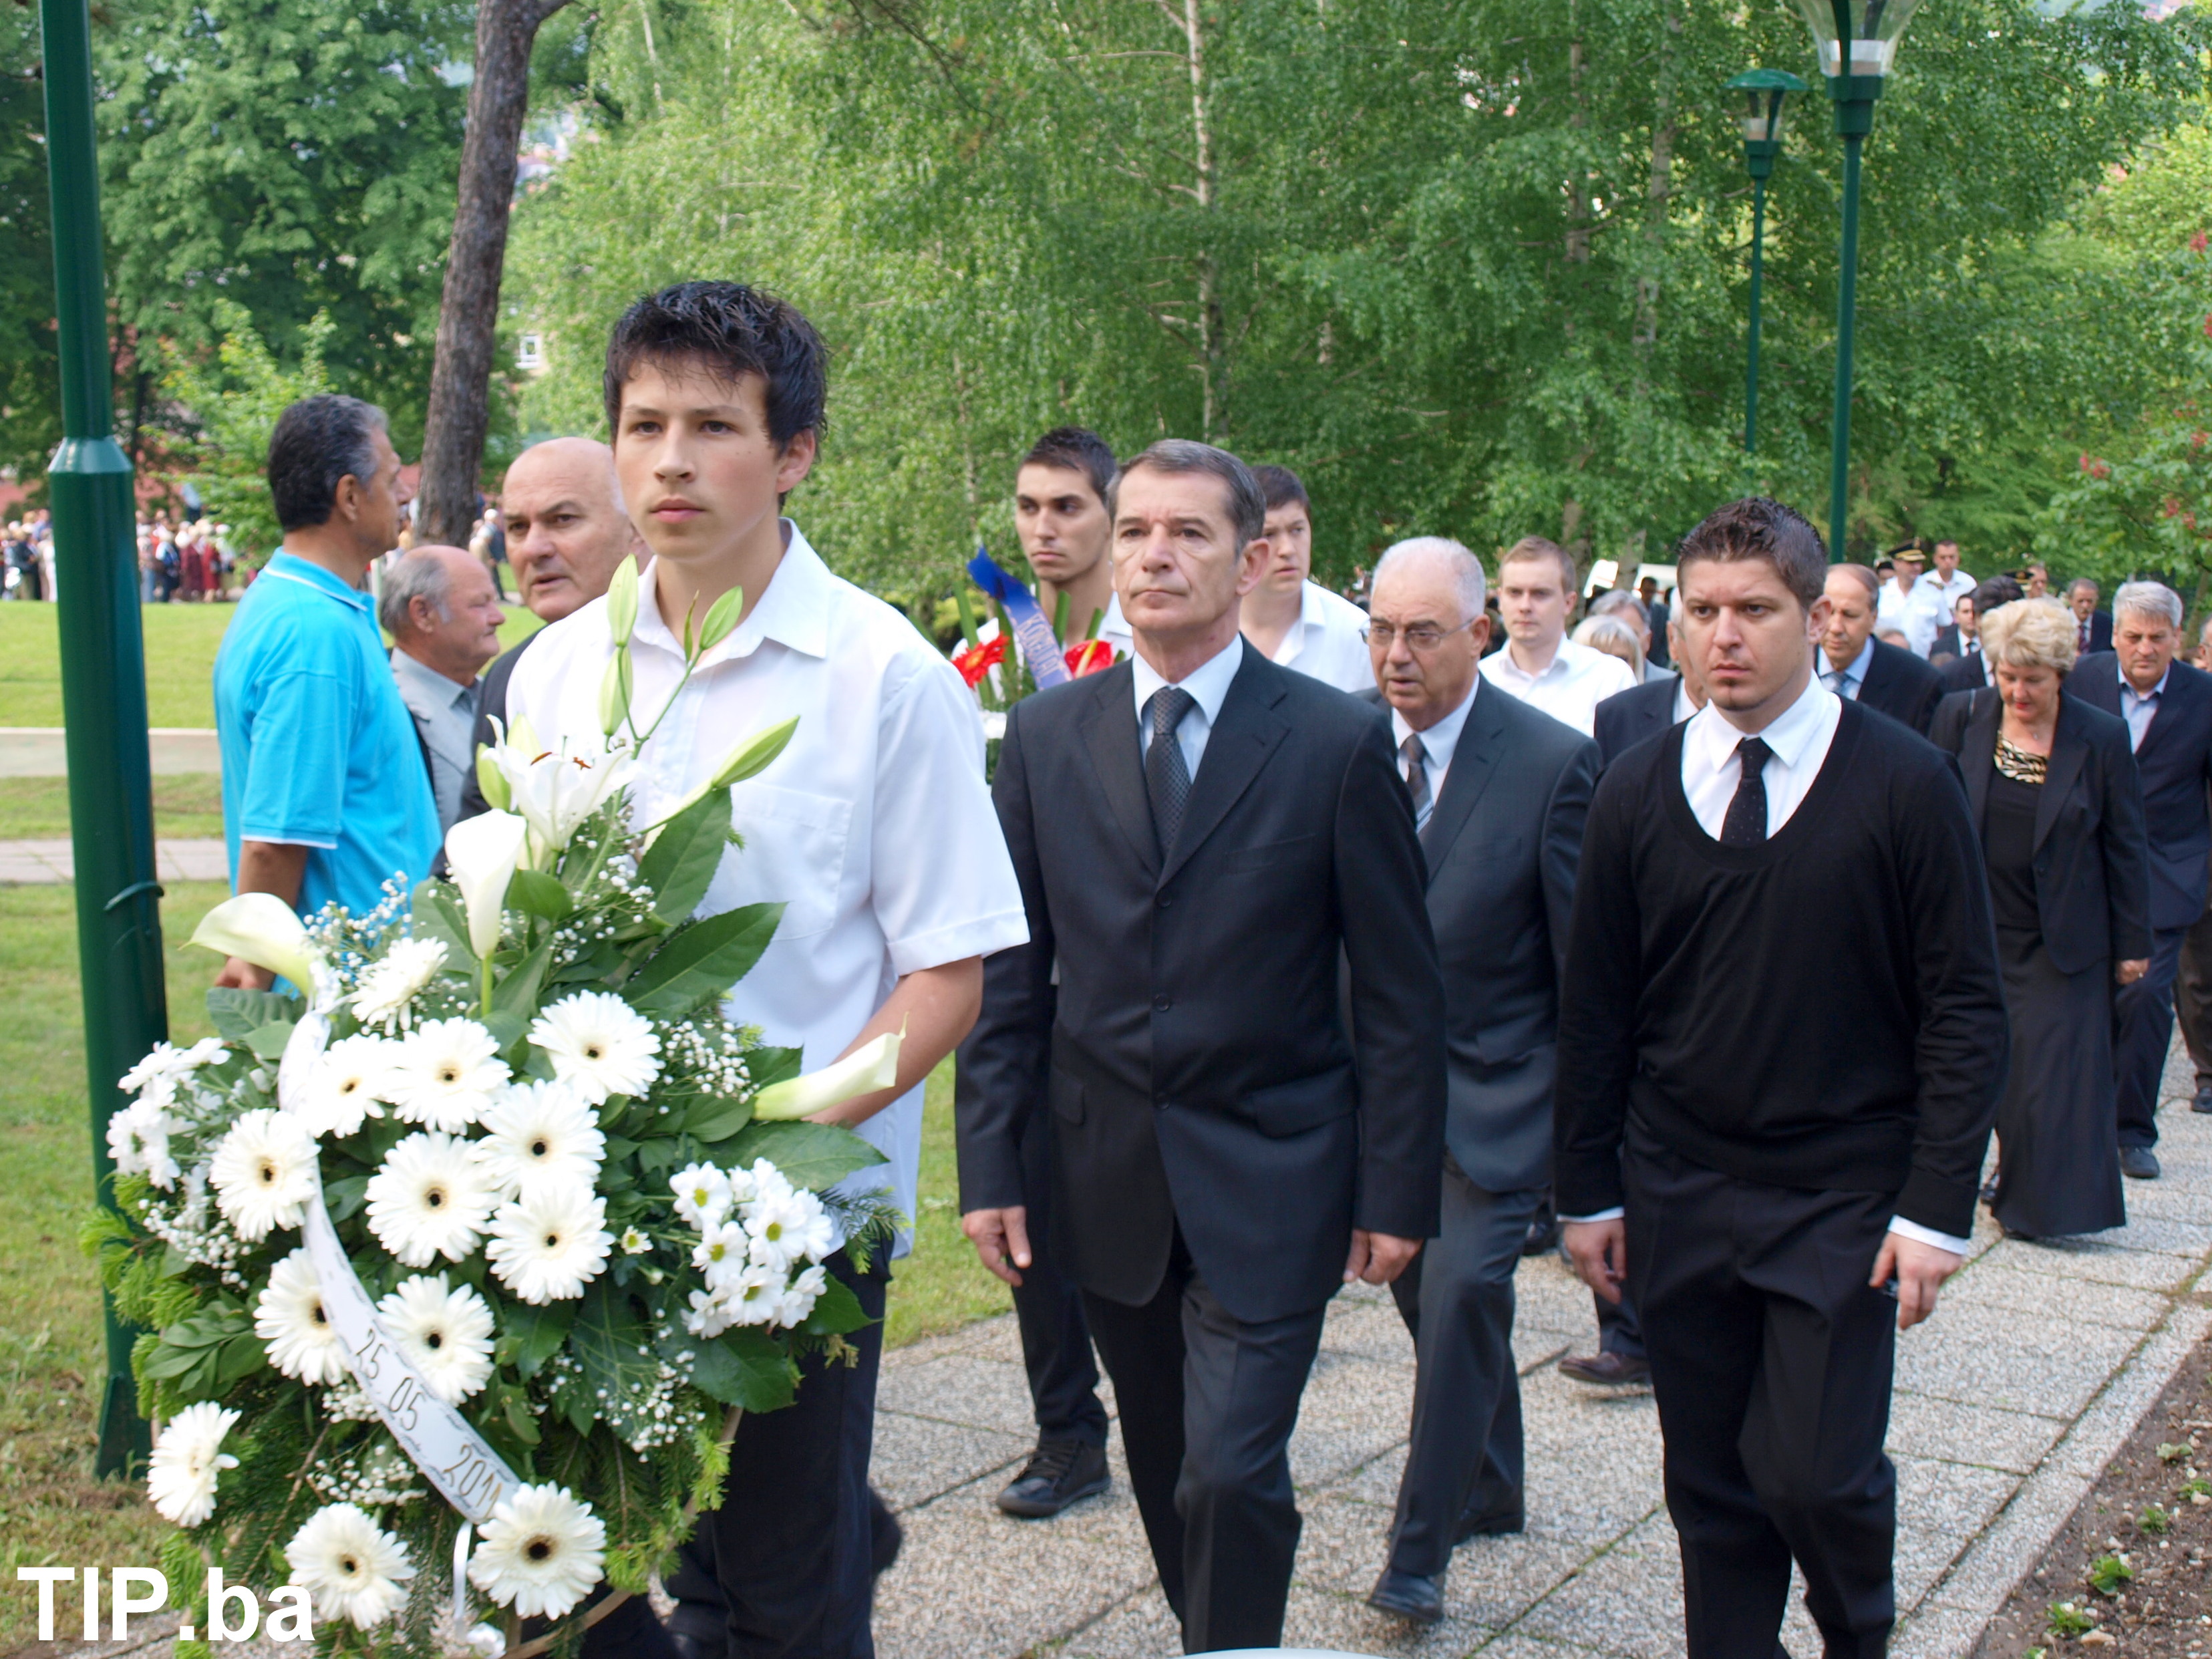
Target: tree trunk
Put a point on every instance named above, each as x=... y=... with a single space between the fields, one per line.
x=1213 y=368
x=468 y=314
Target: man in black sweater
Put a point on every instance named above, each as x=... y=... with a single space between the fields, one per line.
x=1776 y=1146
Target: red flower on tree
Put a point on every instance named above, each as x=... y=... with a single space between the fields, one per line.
x=2196 y=242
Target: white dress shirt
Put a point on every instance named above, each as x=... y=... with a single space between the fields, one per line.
x=2139 y=708
x=1208 y=684
x=1683 y=707
x=1570 y=690
x=1328 y=641
x=1853 y=680
x=1891 y=609
x=1800 y=739
x=1440 y=740
x=874 y=827
x=1929 y=606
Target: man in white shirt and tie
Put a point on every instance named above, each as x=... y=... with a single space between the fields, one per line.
x=1929 y=611
x=1539 y=665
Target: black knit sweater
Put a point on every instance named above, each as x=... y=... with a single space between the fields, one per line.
x=1823 y=1011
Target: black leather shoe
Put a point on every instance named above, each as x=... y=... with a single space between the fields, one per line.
x=689 y=1645
x=1402 y=1593
x=1990 y=1192
x=1498 y=1523
x=1058 y=1473
x=1543 y=1235
x=2138 y=1163
x=2204 y=1101
x=1607 y=1371
x=884 y=1535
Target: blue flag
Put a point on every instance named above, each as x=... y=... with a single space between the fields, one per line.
x=1040 y=650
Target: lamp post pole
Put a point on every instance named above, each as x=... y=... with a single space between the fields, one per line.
x=1750 y=356
x=1766 y=91
x=1854 y=98
x=118 y=920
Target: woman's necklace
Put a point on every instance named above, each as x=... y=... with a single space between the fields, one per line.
x=2020 y=764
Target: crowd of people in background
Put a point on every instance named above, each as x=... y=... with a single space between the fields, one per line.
x=191 y=562
x=27 y=558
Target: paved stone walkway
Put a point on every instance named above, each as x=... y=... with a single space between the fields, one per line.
x=40 y=751
x=33 y=862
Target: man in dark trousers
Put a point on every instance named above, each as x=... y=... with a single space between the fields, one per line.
x=1499 y=793
x=1777 y=1148
x=1201 y=837
x=1860 y=668
x=2168 y=707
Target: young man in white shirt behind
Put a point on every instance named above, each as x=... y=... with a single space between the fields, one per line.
x=1292 y=619
x=1539 y=665
x=874 y=828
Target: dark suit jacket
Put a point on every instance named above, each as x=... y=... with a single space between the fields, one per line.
x=1191 y=1045
x=2092 y=859
x=1946 y=643
x=1901 y=686
x=1969 y=673
x=1626 y=718
x=1501 y=848
x=1657 y=614
x=2100 y=632
x=2175 y=766
x=494 y=702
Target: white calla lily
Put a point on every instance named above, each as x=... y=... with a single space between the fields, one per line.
x=262 y=929
x=483 y=853
x=871 y=1066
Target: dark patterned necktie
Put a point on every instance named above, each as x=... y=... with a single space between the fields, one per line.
x=1745 y=823
x=1167 y=779
x=1416 y=754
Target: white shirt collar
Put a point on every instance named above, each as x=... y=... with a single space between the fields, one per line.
x=1710 y=742
x=794 y=611
x=1441 y=740
x=1208 y=684
x=1684 y=708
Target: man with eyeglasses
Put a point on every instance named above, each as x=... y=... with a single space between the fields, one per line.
x=1499 y=792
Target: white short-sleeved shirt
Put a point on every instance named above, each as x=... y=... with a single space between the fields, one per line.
x=874 y=827
x=1328 y=641
x=1578 y=679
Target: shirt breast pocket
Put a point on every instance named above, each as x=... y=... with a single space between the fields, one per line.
x=793 y=855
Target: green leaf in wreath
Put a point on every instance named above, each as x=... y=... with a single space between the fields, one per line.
x=704 y=960
x=716 y=1118
x=836 y=1311
x=238 y=1012
x=767 y=1065
x=344 y=1196
x=744 y=1367
x=514 y=1406
x=239 y=1357
x=680 y=865
x=537 y=894
x=617 y=1370
x=534 y=1335
x=267 y=1041
x=811 y=1155
x=515 y=992
x=436 y=916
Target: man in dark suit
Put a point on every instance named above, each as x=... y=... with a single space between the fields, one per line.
x=1201 y=838
x=1499 y=792
x=2168 y=707
x=1656 y=616
x=1860 y=668
x=2093 y=627
x=1971 y=672
x=1626 y=718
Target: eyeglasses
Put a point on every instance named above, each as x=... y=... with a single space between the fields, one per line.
x=1421 y=636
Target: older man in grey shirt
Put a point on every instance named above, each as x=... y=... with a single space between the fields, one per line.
x=442 y=612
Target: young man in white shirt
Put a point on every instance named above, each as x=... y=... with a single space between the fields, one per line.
x=874 y=828
x=1539 y=665
x=1292 y=619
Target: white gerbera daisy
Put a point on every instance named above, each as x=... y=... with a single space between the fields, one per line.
x=799 y=1298
x=445 y=1074
x=263 y=1173
x=347 y=1082
x=138 y=1141
x=290 y=1321
x=539 y=1133
x=702 y=1195
x=428 y=1200
x=542 y=1552
x=722 y=1254
x=789 y=1227
x=599 y=1044
x=445 y=1333
x=389 y=988
x=548 y=1244
x=350 y=1566
x=188 y=1457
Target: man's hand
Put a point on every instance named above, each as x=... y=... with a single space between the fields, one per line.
x=1001 y=1239
x=2128 y=972
x=1378 y=1258
x=238 y=974
x=1919 y=1270
x=1599 y=1250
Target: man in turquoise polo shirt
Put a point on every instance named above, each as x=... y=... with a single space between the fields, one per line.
x=325 y=794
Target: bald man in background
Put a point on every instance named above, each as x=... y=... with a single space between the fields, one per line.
x=566 y=532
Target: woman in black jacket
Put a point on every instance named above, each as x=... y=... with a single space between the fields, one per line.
x=2052 y=784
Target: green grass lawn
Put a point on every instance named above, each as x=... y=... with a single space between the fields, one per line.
x=187 y=805
x=52 y=1509
x=180 y=648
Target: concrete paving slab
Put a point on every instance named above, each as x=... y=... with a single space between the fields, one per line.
x=917 y=1458
x=2014 y=1280
x=42 y=751
x=1490 y=1581
x=1627 y=1600
x=47 y=862
x=1938 y=1504
x=1354 y=1409
x=961 y=1388
x=1921 y=1426
x=1999 y=1357
x=2101 y=1263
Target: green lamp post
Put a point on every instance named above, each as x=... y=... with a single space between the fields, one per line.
x=1764 y=91
x=119 y=917
x=1857 y=43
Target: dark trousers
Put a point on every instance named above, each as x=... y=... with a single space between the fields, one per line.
x=1619 y=1330
x=784 y=1565
x=2192 y=995
x=1048 y=1308
x=1456 y=1298
x=2142 y=1015
x=1770 y=1359
x=1207 y=1404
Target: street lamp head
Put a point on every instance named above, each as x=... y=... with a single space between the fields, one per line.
x=1764 y=91
x=1857 y=40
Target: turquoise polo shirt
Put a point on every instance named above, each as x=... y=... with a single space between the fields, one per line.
x=318 y=750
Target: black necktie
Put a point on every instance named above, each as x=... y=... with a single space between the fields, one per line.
x=1167 y=779
x=1416 y=755
x=1745 y=823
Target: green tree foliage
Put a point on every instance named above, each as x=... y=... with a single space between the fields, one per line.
x=30 y=395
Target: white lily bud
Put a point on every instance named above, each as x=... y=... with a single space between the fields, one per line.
x=483 y=853
x=622 y=600
x=262 y=929
x=871 y=1066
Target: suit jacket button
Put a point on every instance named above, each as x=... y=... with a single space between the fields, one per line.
x=1161 y=1004
x=1165 y=900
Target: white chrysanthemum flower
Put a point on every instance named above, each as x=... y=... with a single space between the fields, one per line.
x=290 y=1319
x=709 y=1315
x=428 y=1200
x=540 y=1132
x=350 y=1566
x=188 y=1458
x=722 y=1253
x=542 y=1552
x=154 y=1078
x=753 y=1296
x=762 y=1183
x=702 y=1195
x=787 y=1228
x=263 y=1173
x=445 y=1074
x=446 y=1334
x=635 y=1242
x=389 y=986
x=348 y=1078
x=138 y=1141
x=599 y=1044
x=547 y=1245
x=798 y=1299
